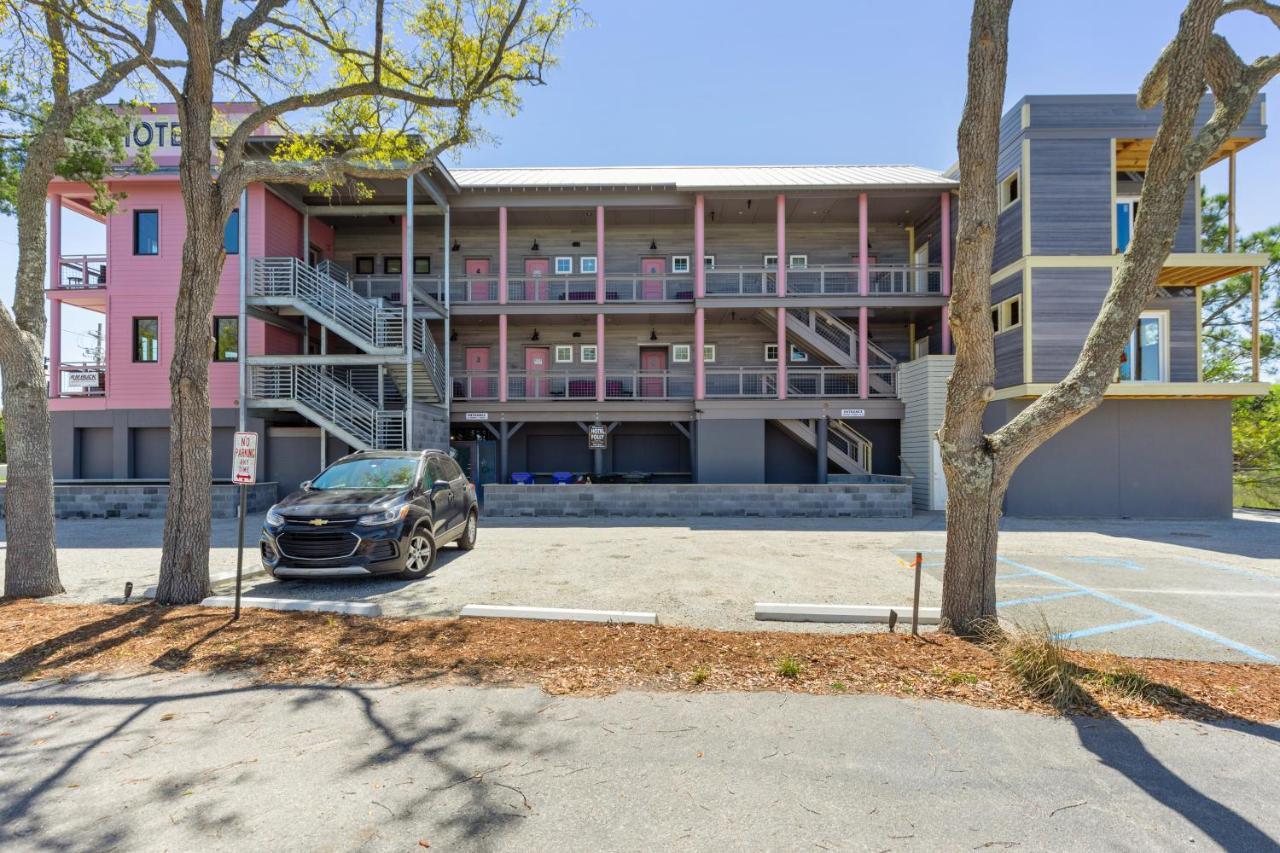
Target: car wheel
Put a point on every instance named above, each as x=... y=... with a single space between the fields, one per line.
x=421 y=556
x=467 y=540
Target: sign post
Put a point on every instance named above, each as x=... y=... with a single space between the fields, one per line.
x=244 y=473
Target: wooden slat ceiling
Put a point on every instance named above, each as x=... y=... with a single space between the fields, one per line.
x=1196 y=276
x=1132 y=154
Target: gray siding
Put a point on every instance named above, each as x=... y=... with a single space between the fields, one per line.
x=922 y=385
x=1010 y=285
x=1070 y=185
x=1123 y=460
x=1064 y=305
x=1008 y=347
x=1182 y=336
x=1009 y=225
x=1185 y=239
x=731 y=451
x=1119 y=114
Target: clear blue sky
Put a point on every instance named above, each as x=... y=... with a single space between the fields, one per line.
x=811 y=81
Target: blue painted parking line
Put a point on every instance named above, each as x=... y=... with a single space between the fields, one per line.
x=1010 y=575
x=1147 y=612
x=1117 y=562
x=1106 y=629
x=1036 y=599
x=1232 y=570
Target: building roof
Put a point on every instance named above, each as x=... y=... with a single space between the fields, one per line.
x=691 y=178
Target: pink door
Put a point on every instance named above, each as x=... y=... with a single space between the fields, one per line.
x=479 y=386
x=479 y=291
x=651 y=288
x=537 y=361
x=537 y=284
x=653 y=360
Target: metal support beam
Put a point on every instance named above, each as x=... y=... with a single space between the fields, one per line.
x=446 y=393
x=406 y=279
x=1255 y=298
x=820 y=445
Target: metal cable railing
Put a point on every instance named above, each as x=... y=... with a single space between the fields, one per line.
x=332 y=400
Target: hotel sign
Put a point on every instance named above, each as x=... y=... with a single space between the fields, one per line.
x=84 y=379
x=597 y=437
x=155 y=133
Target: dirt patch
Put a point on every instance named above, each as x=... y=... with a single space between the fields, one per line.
x=51 y=640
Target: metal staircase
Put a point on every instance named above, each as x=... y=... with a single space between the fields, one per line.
x=834 y=340
x=370 y=324
x=319 y=394
x=846 y=447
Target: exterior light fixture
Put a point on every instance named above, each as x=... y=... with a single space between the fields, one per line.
x=455 y=247
x=453 y=335
x=653 y=334
x=653 y=245
x=536 y=336
x=534 y=247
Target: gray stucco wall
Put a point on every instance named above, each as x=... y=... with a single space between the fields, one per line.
x=731 y=451
x=1128 y=458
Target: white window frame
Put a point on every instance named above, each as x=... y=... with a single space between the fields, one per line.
x=768 y=348
x=587 y=265
x=709 y=353
x=797 y=262
x=681 y=353
x=771 y=262
x=588 y=353
x=678 y=261
x=562 y=350
x=568 y=265
x=1006 y=309
x=797 y=354
x=1005 y=183
x=708 y=262
x=1163 y=319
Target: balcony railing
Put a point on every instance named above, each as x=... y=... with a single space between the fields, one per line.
x=83 y=379
x=834 y=279
x=549 y=288
x=741 y=382
x=822 y=381
x=81 y=272
x=618 y=287
x=389 y=287
x=642 y=287
x=574 y=385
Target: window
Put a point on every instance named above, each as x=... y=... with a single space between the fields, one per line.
x=1010 y=313
x=231 y=234
x=1126 y=216
x=770 y=261
x=1146 y=356
x=450 y=468
x=146 y=339
x=1009 y=190
x=365 y=472
x=435 y=470
x=564 y=354
x=226 y=339
x=587 y=264
x=681 y=353
x=587 y=353
x=708 y=262
x=798 y=262
x=391 y=265
x=995 y=318
x=146 y=232
x=709 y=353
x=422 y=265
x=798 y=354
x=364 y=265
x=679 y=263
x=564 y=266
x=770 y=352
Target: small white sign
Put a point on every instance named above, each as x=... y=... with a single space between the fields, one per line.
x=244 y=459
x=853 y=413
x=84 y=379
x=477 y=416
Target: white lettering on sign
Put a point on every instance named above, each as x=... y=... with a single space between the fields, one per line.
x=84 y=379
x=244 y=459
x=853 y=413
x=477 y=416
x=597 y=437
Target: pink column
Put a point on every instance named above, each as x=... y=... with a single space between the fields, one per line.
x=864 y=241
x=502 y=258
x=55 y=347
x=699 y=291
x=502 y=358
x=946 y=271
x=600 y=265
x=864 y=369
x=600 y=388
x=55 y=306
x=782 y=292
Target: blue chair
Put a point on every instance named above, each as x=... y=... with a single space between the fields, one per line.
x=561 y=478
x=522 y=478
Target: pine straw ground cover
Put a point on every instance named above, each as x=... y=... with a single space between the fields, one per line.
x=54 y=640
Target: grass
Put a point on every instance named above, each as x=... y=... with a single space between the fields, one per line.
x=1038 y=659
x=700 y=675
x=1257 y=490
x=789 y=667
x=957 y=678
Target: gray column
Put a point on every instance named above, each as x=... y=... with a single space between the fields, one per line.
x=406 y=270
x=446 y=393
x=820 y=429
x=504 y=476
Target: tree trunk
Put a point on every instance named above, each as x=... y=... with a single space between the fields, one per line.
x=31 y=559
x=973 y=529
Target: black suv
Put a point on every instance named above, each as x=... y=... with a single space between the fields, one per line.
x=372 y=513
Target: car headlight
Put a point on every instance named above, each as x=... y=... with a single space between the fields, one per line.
x=274 y=518
x=387 y=516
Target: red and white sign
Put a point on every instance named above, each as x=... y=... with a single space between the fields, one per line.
x=244 y=459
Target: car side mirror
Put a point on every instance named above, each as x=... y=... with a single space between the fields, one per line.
x=439 y=485
x=306 y=485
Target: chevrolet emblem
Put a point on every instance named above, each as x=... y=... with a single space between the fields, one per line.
x=318 y=522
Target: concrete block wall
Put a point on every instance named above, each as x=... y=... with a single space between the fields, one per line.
x=142 y=500
x=886 y=497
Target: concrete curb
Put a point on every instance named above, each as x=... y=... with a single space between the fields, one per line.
x=351 y=608
x=150 y=592
x=774 y=612
x=498 y=611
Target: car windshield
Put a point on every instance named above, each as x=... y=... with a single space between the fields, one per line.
x=372 y=473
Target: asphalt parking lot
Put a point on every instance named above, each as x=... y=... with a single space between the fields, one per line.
x=1203 y=590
